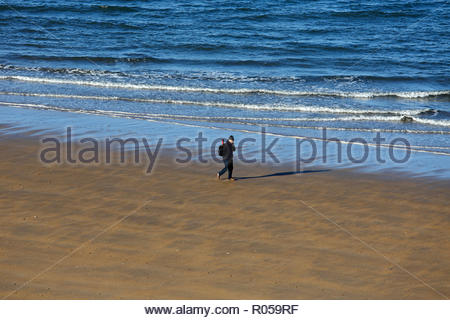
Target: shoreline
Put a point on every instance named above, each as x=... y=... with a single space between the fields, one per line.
x=180 y=234
x=169 y=154
x=46 y=123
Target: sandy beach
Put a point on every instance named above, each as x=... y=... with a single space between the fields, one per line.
x=112 y=232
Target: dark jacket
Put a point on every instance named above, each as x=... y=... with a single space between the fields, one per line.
x=228 y=149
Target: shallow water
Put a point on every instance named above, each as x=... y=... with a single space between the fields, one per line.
x=293 y=67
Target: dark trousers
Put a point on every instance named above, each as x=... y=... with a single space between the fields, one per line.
x=229 y=167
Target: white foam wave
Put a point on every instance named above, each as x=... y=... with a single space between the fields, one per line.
x=244 y=120
x=415 y=148
x=295 y=108
x=267 y=120
x=235 y=119
x=445 y=123
x=360 y=95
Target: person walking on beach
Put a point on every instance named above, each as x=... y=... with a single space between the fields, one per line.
x=227 y=153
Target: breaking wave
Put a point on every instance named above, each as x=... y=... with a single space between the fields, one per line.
x=262 y=107
x=337 y=94
x=247 y=120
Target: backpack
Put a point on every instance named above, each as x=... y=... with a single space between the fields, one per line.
x=221 y=149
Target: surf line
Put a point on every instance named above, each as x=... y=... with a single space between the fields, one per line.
x=358 y=95
x=295 y=108
x=95 y=112
x=410 y=148
x=237 y=119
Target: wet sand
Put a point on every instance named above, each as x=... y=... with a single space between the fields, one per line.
x=112 y=232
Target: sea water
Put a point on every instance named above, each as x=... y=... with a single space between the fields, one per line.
x=357 y=68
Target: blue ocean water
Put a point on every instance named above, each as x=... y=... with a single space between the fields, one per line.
x=354 y=67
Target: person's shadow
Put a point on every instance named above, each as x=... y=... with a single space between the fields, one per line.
x=281 y=174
